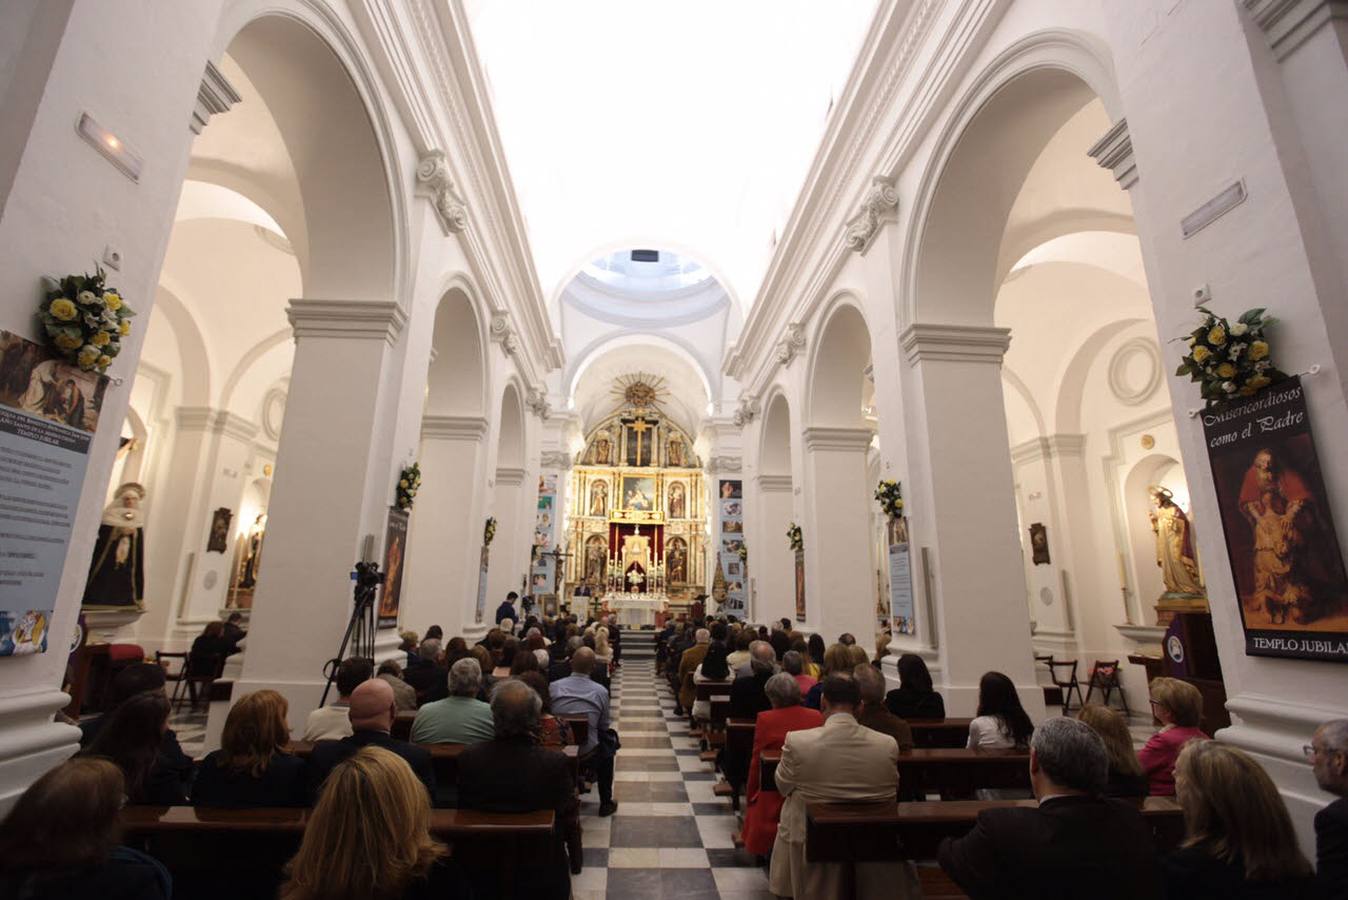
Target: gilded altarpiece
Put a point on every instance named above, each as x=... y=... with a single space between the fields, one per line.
x=638 y=517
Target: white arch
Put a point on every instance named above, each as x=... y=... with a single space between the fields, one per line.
x=839 y=352
x=774 y=439
x=555 y=295
x=603 y=345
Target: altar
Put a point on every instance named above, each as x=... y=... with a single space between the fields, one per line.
x=634 y=609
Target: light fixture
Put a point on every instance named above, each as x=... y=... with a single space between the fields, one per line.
x=111 y=146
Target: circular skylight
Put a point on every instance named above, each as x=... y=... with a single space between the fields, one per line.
x=647 y=272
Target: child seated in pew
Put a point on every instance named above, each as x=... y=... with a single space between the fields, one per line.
x=252 y=768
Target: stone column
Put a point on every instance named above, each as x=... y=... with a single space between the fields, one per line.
x=444 y=534
x=771 y=562
x=506 y=566
x=963 y=510
x=334 y=484
x=839 y=581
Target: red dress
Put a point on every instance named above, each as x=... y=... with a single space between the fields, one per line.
x=764 y=808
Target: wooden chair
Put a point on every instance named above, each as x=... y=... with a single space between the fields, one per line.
x=197 y=675
x=163 y=660
x=1066 y=685
x=1105 y=676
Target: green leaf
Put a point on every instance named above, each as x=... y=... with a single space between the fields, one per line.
x=1183 y=369
x=1251 y=316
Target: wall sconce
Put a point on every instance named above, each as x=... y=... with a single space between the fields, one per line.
x=111 y=146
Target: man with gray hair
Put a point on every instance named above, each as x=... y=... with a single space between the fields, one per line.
x=873 y=713
x=580 y=695
x=1328 y=754
x=425 y=673
x=747 y=697
x=1075 y=842
x=688 y=663
x=511 y=773
x=460 y=718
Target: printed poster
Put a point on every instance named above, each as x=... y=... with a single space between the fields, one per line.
x=49 y=411
x=732 y=557
x=1276 y=517
x=901 y=602
x=542 y=570
x=395 y=562
x=481 y=609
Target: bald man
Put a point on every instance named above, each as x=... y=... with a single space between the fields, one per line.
x=372 y=711
x=580 y=695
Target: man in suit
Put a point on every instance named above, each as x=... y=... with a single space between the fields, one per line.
x=1329 y=757
x=511 y=773
x=688 y=663
x=372 y=711
x=873 y=713
x=842 y=761
x=1076 y=842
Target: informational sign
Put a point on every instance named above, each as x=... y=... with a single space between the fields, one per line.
x=901 y=579
x=49 y=410
x=482 y=587
x=395 y=563
x=542 y=570
x=732 y=557
x=1276 y=516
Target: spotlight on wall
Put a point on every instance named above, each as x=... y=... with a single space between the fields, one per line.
x=111 y=146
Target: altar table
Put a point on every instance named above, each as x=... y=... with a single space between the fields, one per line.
x=634 y=610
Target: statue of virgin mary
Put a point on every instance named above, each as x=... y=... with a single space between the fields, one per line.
x=117 y=571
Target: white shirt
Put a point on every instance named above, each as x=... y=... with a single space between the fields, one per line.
x=328 y=723
x=985 y=733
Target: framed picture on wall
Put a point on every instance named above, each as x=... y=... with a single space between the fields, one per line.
x=1039 y=544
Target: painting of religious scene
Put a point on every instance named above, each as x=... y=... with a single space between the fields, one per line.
x=678 y=501
x=676 y=561
x=638 y=493
x=34 y=380
x=596 y=559
x=732 y=489
x=601 y=451
x=676 y=453
x=599 y=498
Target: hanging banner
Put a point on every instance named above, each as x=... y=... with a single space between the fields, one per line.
x=1280 y=537
x=395 y=561
x=900 y=578
x=800 y=585
x=732 y=557
x=543 y=568
x=49 y=410
x=482 y=586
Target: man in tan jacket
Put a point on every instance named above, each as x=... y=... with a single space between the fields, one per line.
x=688 y=663
x=841 y=762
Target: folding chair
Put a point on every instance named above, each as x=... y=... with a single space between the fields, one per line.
x=1105 y=676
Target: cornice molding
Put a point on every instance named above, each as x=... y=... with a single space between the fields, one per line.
x=454 y=428
x=346 y=319
x=773 y=484
x=215 y=95
x=215 y=421
x=1054 y=446
x=855 y=440
x=955 y=343
x=718 y=464
x=879 y=205
x=1287 y=24
x=510 y=476
x=1114 y=151
x=435 y=183
x=556 y=459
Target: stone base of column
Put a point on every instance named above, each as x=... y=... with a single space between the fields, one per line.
x=31 y=742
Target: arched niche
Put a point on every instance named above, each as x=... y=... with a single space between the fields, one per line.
x=343 y=181
x=1155 y=468
x=456 y=379
x=837 y=381
x=510 y=442
x=774 y=456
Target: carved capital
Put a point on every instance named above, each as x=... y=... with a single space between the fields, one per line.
x=503 y=332
x=955 y=343
x=1114 y=151
x=366 y=319
x=215 y=95
x=555 y=459
x=747 y=412
x=724 y=464
x=880 y=204
x=435 y=183
x=791 y=343
x=538 y=403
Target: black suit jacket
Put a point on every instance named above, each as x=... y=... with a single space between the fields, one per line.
x=429 y=680
x=747 y=696
x=1331 y=847
x=327 y=754
x=516 y=775
x=1068 y=847
x=1193 y=874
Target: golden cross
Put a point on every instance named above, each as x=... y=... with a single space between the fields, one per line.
x=640 y=427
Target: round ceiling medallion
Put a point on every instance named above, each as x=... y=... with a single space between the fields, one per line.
x=1135 y=371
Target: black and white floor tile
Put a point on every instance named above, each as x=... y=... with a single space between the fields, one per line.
x=190 y=727
x=670 y=837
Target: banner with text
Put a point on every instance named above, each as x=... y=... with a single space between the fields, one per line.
x=900 y=577
x=732 y=557
x=1276 y=517
x=543 y=568
x=49 y=410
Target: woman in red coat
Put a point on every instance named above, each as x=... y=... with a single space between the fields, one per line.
x=764 y=808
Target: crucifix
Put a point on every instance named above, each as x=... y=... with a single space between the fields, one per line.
x=640 y=427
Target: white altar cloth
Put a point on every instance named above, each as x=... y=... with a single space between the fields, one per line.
x=636 y=609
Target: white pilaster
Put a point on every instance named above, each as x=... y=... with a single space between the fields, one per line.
x=507 y=568
x=771 y=563
x=839 y=581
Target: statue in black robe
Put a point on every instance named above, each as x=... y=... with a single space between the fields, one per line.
x=117 y=571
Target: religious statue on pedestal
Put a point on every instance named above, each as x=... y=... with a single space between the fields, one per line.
x=117 y=571
x=1174 y=546
x=252 y=551
x=599 y=498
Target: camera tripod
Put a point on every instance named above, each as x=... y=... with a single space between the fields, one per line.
x=360 y=630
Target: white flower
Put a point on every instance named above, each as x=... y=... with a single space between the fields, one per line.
x=1239 y=328
x=1229 y=387
x=1235 y=351
x=87 y=297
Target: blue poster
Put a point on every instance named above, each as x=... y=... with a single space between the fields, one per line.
x=901 y=581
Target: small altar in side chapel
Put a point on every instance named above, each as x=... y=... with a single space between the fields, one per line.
x=638 y=531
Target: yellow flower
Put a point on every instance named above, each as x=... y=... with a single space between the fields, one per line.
x=61 y=308
x=67 y=341
x=1258 y=382
x=1201 y=354
x=104 y=362
x=113 y=300
x=88 y=356
x=124 y=327
x=1258 y=350
x=1226 y=370
x=1217 y=336
x=100 y=339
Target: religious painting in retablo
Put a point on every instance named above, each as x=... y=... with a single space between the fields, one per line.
x=1280 y=539
x=395 y=563
x=638 y=493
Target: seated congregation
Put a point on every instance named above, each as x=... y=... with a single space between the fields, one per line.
x=846 y=789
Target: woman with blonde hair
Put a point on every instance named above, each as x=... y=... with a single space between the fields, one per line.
x=369 y=838
x=837 y=661
x=1179 y=707
x=1125 y=772
x=252 y=768
x=1239 y=841
x=603 y=650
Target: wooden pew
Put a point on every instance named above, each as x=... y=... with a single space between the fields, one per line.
x=233 y=853
x=863 y=832
x=932 y=734
x=445 y=758
x=580 y=728
x=402 y=724
x=953 y=773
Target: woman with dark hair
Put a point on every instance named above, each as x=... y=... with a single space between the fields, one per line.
x=781 y=644
x=131 y=739
x=914 y=698
x=814 y=647
x=252 y=768
x=509 y=647
x=713 y=667
x=60 y=841
x=434 y=633
x=525 y=661
x=1001 y=722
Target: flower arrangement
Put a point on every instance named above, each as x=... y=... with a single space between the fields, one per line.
x=86 y=320
x=1230 y=359
x=794 y=535
x=409 y=482
x=890 y=495
x=490 y=531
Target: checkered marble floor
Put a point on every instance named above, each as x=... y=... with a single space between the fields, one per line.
x=190 y=727
x=670 y=837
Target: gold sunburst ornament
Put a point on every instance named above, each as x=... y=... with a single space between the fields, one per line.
x=639 y=390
